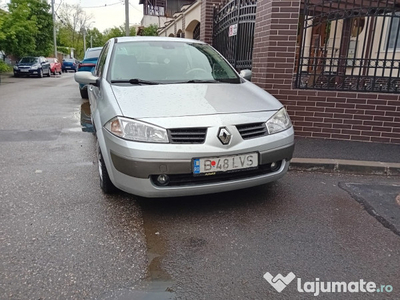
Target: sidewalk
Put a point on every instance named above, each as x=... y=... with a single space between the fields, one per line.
x=6 y=77
x=346 y=156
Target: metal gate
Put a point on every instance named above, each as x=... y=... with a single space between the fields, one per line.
x=351 y=45
x=234 y=31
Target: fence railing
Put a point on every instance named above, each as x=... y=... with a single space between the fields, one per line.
x=233 y=34
x=349 y=45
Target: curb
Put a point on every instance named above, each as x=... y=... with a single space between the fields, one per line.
x=345 y=166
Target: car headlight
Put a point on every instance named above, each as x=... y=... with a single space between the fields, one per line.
x=136 y=131
x=280 y=121
x=34 y=67
x=15 y=67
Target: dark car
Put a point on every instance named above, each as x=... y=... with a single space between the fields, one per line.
x=32 y=65
x=69 y=64
x=87 y=64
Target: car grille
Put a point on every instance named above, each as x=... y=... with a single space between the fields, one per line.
x=250 y=131
x=187 y=135
x=191 y=180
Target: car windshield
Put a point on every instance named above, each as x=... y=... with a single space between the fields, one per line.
x=29 y=60
x=69 y=60
x=169 y=62
x=92 y=53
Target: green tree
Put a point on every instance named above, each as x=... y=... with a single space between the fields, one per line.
x=117 y=32
x=72 y=23
x=95 y=36
x=150 y=30
x=27 y=28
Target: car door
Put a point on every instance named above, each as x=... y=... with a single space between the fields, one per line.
x=45 y=65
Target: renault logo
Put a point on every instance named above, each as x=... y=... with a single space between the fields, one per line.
x=224 y=136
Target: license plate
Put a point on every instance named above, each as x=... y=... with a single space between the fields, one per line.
x=22 y=70
x=213 y=165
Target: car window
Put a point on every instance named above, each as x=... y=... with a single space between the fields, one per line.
x=29 y=60
x=92 y=53
x=169 y=62
x=101 y=61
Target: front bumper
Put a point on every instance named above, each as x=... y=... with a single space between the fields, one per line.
x=134 y=167
x=26 y=73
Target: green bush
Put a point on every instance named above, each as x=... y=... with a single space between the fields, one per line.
x=4 y=67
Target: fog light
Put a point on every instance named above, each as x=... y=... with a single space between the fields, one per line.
x=163 y=179
x=274 y=166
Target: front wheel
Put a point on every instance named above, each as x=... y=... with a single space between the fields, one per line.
x=40 y=73
x=105 y=182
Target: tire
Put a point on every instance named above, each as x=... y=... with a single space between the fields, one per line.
x=49 y=73
x=105 y=182
x=40 y=75
x=16 y=75
x=84 y=93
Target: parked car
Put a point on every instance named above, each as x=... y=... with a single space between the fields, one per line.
x=173 y=118
x=69 y=64
x=87 y=64
x=55 y=65
x=32 y=65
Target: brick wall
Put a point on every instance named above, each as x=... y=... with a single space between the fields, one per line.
x=206 y=22
x=354 y=116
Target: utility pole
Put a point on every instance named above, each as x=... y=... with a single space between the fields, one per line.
x=54 y=28
x=84 y=40
x=127 y=17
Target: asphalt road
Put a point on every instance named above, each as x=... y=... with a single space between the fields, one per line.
x=61 y=238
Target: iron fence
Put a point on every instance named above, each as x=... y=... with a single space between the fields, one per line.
x=349 y=45
x=234 y=31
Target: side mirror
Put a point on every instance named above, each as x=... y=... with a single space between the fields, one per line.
x=86 y=77
x=246 y=74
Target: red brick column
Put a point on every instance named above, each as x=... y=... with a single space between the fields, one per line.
x=275 y=37
x=206 y=22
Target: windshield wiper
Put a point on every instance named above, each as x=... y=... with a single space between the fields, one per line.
x=229 y=80
x=135 y=81
x=202 y=81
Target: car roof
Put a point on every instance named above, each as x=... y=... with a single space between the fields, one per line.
x=155 y=39
x=93 y=49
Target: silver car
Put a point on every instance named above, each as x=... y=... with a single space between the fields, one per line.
x=173 y=118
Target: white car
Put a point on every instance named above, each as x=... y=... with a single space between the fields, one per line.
x=173 y=118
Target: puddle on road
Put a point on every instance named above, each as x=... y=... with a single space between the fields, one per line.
x=158 y=284
x=157 y=281
x=85 y=117
x=86 y=121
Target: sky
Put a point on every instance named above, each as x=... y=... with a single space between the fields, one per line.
x=106 y=13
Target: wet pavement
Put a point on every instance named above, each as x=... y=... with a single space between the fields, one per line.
x=62 y=238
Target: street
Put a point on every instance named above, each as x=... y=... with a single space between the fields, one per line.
x=62 y=238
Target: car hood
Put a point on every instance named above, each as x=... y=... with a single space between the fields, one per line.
x=175 y=100
x=27 y=64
